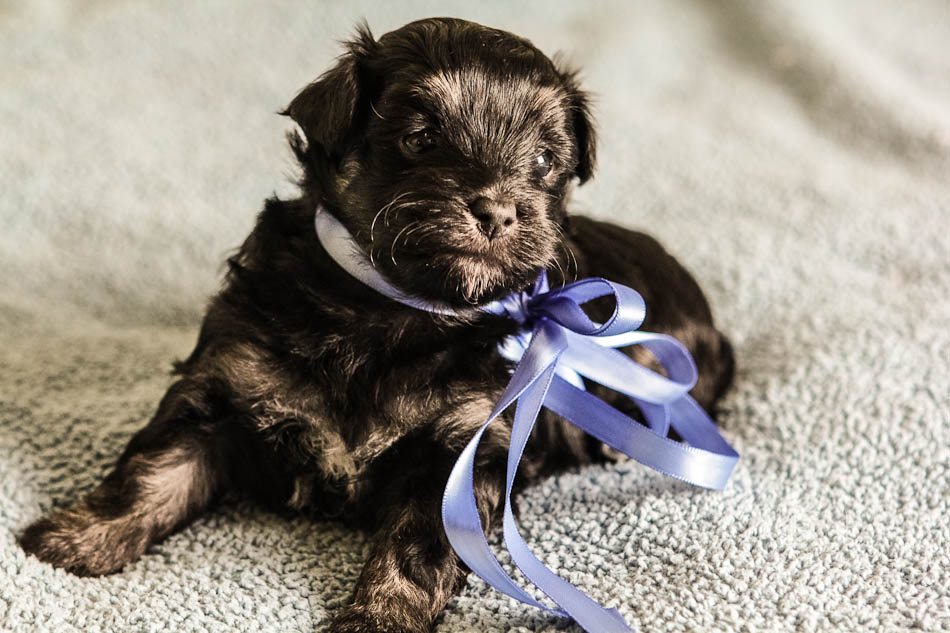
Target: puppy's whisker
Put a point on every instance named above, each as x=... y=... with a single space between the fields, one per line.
x=372 y=225
x=557 y=262
x=409 y=229
x=570 y=259
x=382 y=211
x=391 y=206
x=392 y=248
x=574 y=260
x=419 y=227
x=386 y=208
x=427 y=232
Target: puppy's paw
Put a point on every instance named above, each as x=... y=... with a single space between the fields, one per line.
x=81 y=544
x=356 y=619
x=52 y=542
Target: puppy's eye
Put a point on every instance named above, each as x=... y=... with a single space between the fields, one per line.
x=420 y=141
x=543 y=163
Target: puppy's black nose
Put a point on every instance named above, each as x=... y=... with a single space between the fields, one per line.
x=495 y=217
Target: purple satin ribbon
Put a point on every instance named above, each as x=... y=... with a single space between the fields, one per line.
x=558 y=345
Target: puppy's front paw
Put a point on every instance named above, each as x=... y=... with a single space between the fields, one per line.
x=53 y=543
x=356 y=619
x=79 y=543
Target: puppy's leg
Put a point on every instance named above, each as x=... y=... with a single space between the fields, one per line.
x=412 y=571
x=167 y=474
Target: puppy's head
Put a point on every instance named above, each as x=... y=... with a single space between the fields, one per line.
x=448 y=149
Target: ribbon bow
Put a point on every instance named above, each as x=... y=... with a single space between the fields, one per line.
x=558 y=345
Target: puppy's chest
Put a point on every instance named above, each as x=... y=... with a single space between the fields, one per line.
x=328 y=429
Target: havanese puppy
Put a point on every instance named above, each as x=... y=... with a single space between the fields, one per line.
x=448 y=150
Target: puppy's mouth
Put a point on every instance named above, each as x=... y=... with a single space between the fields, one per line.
x=481 y=254
x=473 y=260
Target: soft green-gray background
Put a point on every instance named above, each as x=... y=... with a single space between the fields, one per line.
x=795 y=155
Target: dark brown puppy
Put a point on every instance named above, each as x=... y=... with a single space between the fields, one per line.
x=448 y=149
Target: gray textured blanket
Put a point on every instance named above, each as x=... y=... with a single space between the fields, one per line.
x=795 y=155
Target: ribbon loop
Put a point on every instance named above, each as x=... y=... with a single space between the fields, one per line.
x=564 y=306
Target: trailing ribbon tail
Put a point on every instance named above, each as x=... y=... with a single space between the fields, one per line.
x=529 y=387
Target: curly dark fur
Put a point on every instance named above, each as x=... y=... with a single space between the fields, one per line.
x=309 y=391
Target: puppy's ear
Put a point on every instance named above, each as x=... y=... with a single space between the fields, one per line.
x=584 y=134
x=329 y=110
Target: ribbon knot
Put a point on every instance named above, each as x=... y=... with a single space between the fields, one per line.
x=517 y=306
x=558 y=347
